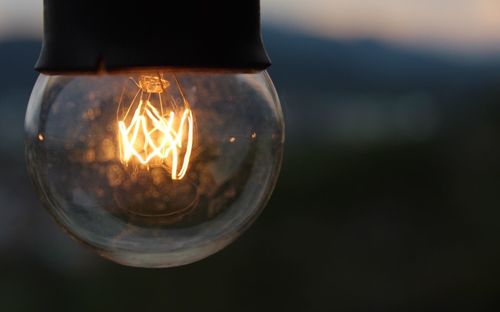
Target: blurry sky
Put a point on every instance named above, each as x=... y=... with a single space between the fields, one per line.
x=466 y=25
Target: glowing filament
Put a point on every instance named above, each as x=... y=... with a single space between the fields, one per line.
x=153 y=136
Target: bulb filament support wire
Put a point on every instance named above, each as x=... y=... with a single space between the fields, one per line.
x=154 y=135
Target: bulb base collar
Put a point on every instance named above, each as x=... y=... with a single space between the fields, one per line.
x=91 y=36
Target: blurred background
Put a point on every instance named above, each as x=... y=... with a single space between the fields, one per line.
x=389 y=194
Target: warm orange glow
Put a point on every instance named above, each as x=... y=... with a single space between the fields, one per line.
x=154 y=135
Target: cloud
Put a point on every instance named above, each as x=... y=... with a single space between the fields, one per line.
x=468 y=24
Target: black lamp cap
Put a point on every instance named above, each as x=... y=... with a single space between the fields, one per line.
x=93 y=36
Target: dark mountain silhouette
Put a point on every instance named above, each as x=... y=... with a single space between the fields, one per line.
x=316 y=64
x=17 y=59
x=303 y=62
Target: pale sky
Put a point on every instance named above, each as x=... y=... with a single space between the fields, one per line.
x=20 y=18
x=462 y=24
x=456 y=24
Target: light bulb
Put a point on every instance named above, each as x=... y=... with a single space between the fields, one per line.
x=154 y=169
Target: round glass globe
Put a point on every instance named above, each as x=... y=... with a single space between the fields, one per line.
x=158 y=169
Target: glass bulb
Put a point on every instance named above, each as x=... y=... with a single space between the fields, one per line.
x=154 y=169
